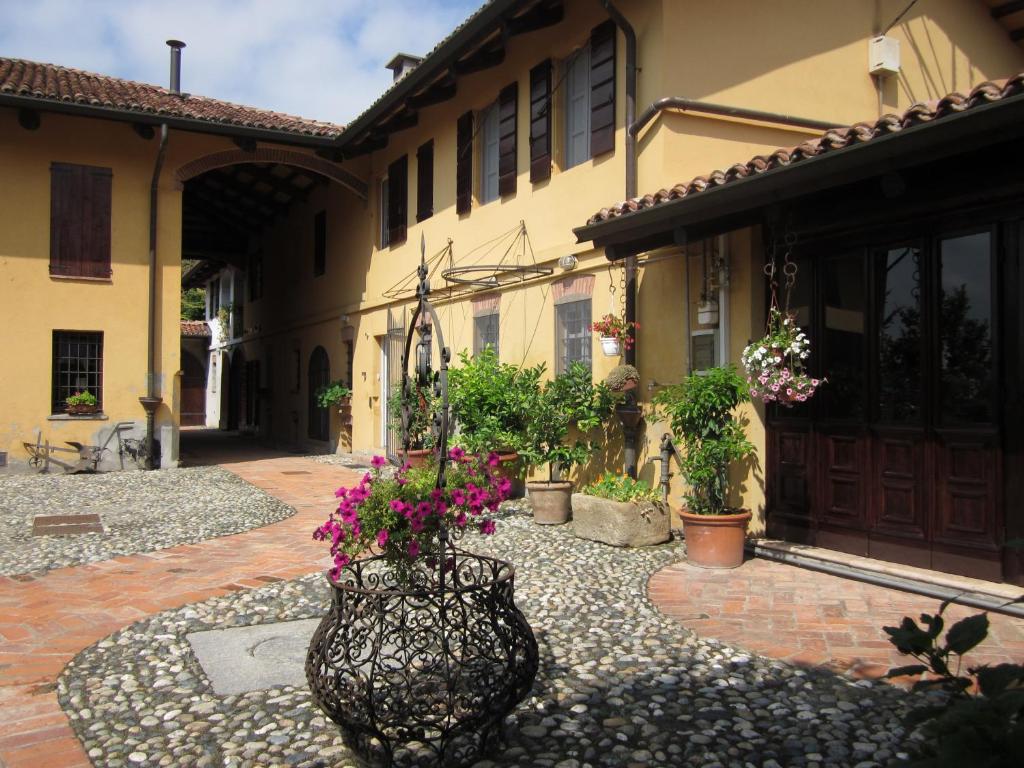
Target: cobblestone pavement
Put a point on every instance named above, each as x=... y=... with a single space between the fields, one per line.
x=810 y=618
x=620 y=683
x=46 y=620
x=140 y=512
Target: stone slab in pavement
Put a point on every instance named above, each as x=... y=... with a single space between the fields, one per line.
x=254 y=658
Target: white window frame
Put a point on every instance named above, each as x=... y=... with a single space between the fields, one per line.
x=562 y=333
x=577 y=79
x=490 y=144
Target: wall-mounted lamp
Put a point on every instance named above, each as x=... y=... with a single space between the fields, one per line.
x=568 y=262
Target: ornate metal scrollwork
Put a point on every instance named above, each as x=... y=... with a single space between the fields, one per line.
x=432 y=659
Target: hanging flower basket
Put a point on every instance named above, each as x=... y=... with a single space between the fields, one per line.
x=775 y=364
x=616 y=334
x=611 y=346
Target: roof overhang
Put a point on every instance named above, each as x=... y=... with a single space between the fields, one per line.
x=438 y=64
x=230 y=130
x=741 y=202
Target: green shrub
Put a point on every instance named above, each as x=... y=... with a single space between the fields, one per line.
x=700 y=411
x=621 y=488
x=570 y=400
x=491 y=401
x=81 y=398
x=422 y=403
x=332 y=394
x=985 y=728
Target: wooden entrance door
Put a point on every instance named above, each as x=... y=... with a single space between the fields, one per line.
x=899 y=456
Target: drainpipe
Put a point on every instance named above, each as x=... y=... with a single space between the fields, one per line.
x=708 y=108
x=151 y=401
x=629 y=413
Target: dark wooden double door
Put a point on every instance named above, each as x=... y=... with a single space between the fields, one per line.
x=900 y=454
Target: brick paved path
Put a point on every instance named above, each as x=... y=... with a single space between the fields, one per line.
x=45 y=621
x=810 y=618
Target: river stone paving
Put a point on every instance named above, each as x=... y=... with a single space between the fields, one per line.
x=619 y=685
x=140 y=512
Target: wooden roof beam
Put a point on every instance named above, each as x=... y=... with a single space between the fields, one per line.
x=482 y=59
x=1005 y=9
x=543 y=14
x=440 y=91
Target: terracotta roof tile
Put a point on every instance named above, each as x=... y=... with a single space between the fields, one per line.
x=832 y=140
x=50 y=82
x=194 y=329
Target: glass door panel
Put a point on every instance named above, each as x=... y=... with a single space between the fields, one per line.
x=897 y=274
x=844 y=336
x=965 y=330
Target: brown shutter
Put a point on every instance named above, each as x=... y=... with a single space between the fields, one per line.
x=398 y=199
x=464 y=164
x=507 y=115
x=602 y=88
x=80 y=202
x=540 y=122
x=425 y=181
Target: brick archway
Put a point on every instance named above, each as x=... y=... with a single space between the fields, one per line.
x=272 y=155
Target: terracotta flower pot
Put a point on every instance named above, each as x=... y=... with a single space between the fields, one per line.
x=419 y=457
x=552 y=502
x=715 y=541
x=81 y=410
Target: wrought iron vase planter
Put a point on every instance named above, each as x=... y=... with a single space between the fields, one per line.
x=423 y=658
x=429 y=664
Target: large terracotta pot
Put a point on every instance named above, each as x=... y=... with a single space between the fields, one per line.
x=419 y=457
x=552 y=502
x=715 y=541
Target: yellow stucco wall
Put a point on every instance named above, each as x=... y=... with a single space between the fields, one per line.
x=33 y=304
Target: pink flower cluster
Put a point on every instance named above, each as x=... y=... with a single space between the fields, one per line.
x=385 y=512
x=783 y=386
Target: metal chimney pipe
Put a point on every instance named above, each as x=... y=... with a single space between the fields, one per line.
x=176 y=46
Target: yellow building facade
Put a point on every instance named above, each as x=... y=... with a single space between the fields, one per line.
x=748 y=78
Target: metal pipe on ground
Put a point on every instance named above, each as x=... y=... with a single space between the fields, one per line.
x=972 y=599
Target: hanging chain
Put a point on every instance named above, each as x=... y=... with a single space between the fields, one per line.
x=789 y=269
x=622 y=292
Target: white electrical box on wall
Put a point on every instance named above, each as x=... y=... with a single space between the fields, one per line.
x=884 y=56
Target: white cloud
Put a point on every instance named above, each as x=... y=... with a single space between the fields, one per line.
x=322 y=59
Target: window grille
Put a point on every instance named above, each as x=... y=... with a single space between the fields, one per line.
x=77 y=366
x=572 y=320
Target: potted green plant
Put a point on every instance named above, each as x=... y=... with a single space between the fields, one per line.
x=621 y=511
x=418 y=405
x=570 y=401
x=490 y=404
x=701 y=411
x=336 y=395
x=622 y=378
x=81 y=403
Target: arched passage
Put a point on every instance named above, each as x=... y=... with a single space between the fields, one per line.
x=319 y=377
x=277 y=156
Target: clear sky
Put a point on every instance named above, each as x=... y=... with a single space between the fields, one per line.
x=321 y=59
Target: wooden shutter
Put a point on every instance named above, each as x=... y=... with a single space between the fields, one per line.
x=602 y=89
x=398 y=199
x=80 y=203
x=425 y=181
x=464 y=164
x=507 y=115
x=540 y=122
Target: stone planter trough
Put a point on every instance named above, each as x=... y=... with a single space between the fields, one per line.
x=620 y=523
